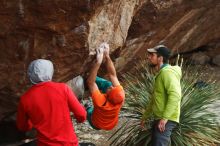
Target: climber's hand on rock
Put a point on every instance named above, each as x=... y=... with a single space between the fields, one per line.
x=102 y=45
x=106 y=50
x=99 y=54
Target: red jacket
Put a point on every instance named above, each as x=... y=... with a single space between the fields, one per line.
x=46 y=107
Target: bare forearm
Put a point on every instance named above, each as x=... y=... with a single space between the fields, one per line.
x=110 y=67
x=93 y=73
x=112 y=72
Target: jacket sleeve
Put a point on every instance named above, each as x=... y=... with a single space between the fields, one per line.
x=74 y=106
x=173 y=90
x=23 y=122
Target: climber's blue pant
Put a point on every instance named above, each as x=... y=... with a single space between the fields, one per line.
x=103 y=84
x=89 y=117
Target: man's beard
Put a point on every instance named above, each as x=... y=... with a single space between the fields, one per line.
x=152 y=65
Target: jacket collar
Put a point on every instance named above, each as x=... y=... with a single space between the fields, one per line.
x=161 y=68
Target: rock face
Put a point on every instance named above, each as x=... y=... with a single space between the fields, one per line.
x=216 y=60
x=200 y=58
x=183 y=26
x=67 y=32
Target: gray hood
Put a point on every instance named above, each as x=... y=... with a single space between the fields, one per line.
x=40 y=70
x=77 y=85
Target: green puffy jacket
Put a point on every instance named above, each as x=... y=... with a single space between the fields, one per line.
x=167 y=93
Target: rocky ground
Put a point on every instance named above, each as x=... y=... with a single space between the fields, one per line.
x=87 y=134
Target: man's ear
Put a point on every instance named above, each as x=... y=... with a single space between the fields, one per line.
x=160 y=59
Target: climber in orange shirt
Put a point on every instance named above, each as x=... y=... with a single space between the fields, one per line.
x=107 y=105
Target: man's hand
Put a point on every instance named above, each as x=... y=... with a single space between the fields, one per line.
x=106 y=50
x=162 y=125
x=143 y=125
x=99 y=54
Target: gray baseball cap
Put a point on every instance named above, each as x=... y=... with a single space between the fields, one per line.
x=161 y=50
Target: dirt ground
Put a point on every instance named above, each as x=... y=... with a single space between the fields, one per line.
x=86 y=134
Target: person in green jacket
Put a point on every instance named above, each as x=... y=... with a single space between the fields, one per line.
x=166 y=96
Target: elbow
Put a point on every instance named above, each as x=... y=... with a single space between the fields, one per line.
x=89 y=83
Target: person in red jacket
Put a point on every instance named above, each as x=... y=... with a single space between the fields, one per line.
x=46 y=107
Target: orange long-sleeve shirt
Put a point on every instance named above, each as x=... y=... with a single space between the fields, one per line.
x=105 y=114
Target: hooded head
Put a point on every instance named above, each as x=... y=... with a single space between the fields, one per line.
x=40 y=70
x=77 y=85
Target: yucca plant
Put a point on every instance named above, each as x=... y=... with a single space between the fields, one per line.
x=198 y=121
